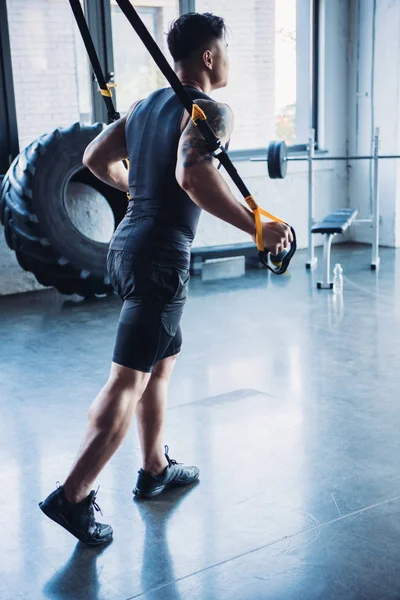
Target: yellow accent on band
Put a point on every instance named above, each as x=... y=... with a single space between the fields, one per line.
x=257 y=217
x=252 y=203
x=198 y=114
x=108 y=91
x=272 y=217
x=259 y=231
x=257 y=211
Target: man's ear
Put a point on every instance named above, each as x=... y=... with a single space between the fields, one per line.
x=208 y=59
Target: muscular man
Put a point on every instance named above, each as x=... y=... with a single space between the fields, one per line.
x=172 y=176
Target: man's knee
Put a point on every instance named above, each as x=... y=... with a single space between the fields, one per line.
x=116 y=401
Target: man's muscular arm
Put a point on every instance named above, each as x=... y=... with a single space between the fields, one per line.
x=105 y=154
x=196 y=173
x=196 y=169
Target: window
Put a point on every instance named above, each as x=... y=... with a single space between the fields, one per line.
x=264 y=90
x=268 y=45
x=285 y=71
x=136 y=73
x=50 y=67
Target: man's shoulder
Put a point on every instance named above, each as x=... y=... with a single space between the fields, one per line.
x=215 y=107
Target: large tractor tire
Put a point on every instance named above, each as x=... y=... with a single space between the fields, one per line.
x=36 y=214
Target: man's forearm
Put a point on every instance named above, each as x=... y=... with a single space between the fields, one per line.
x=209 y=190
x=115 y=174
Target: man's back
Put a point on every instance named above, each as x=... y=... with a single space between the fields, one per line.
x=161 y=220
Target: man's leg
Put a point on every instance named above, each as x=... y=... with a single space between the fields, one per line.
x=150 y=415
x=159 y=472
x=110 y=416
x=72 y=505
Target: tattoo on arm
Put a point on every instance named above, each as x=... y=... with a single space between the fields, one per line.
x=194 y=149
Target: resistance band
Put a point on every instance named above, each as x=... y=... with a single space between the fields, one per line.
x=105 y=88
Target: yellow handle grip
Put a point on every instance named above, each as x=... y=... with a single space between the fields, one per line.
x=257 y=211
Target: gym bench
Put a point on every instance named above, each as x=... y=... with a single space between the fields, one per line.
x=333 y=224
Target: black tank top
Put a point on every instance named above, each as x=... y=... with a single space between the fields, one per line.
x=161 y=219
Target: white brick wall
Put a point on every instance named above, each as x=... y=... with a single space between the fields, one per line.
x=42 y=37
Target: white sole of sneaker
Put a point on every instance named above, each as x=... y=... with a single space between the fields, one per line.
x=157 y=491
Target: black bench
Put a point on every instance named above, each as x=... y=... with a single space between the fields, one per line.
x=246 y=249
x=335 y=223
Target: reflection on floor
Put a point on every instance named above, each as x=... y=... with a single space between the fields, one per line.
x=287 y=399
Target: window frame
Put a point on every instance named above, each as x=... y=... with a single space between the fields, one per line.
x=9 y=144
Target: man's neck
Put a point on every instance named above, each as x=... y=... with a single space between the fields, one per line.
x=200 y=83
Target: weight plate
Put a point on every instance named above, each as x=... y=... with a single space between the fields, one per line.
x=276 y=158
x=271 y=160
x=283 y=159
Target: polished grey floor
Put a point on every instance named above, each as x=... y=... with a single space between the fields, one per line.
x=285 y=396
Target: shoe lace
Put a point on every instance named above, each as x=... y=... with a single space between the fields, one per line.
x=171 y=461
x=95 y=506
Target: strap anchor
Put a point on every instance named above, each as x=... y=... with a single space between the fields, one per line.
x=108 y=91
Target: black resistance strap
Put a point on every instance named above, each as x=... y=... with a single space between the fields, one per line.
x=105 y=88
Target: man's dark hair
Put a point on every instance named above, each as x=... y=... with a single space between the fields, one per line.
x=191 y=31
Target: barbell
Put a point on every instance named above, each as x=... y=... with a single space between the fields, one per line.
x=278 y=158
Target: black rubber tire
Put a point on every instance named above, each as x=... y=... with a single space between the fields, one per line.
x=36 y=224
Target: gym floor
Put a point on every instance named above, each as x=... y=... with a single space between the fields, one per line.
x=286 y=397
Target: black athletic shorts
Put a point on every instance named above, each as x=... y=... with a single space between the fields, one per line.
x=153 y=295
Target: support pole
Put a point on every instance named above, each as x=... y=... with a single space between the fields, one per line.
x=375 y=259
x=327 y=283
x=312 y=260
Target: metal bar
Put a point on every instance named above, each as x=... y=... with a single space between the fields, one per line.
x=315 y=66
x=311 y=64
x=380 y=156
x=327 y=284
x=375 y=208
x=328 y=158
x=312 y=260
x=318 y=158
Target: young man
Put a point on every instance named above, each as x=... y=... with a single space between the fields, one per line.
x=172 y=176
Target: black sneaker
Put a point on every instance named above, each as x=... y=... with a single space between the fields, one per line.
x=175 y=475
x=78 y=519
